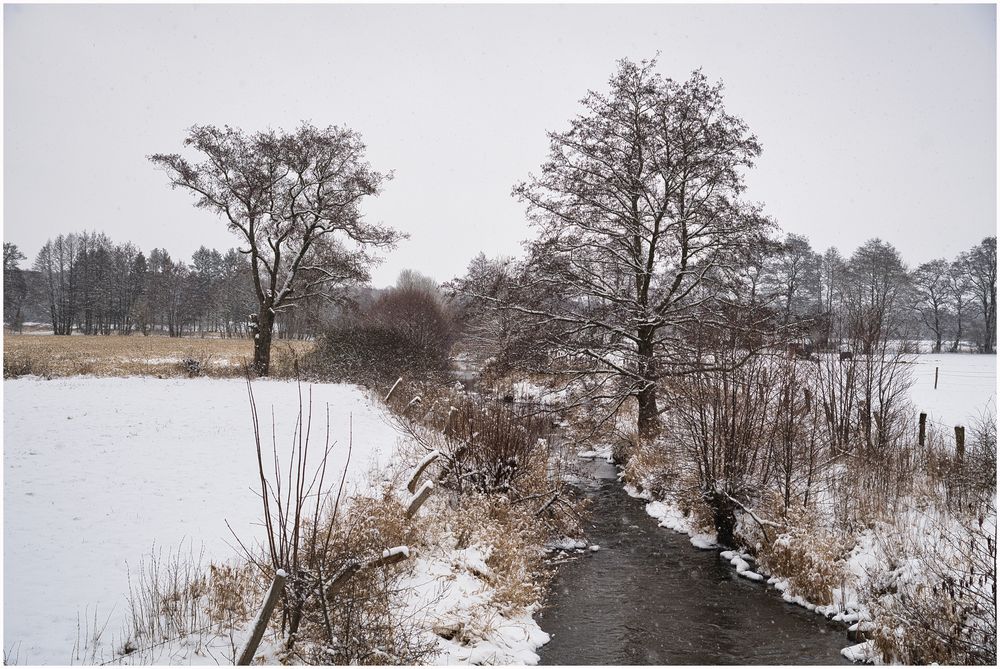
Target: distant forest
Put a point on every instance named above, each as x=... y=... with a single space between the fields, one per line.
x=87 y=283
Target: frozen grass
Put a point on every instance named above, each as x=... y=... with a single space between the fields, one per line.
x=136 y=355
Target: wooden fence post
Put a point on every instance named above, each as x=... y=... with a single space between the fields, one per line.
x=424 y=464
x=263 y=616
x=393 y=389
x=417 y=501
x=936 y=377
x=959 y=442
x=923 y=428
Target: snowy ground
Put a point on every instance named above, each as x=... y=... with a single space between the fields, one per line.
x=97 y=470
x=967 y=384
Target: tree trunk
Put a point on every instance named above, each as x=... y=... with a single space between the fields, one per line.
x=649 y=416
x=649 y=419
x=724 y=517
x=262 y=335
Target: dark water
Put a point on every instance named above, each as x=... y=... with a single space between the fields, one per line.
x=649 y=597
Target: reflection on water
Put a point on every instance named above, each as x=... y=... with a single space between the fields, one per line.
x=649 y=597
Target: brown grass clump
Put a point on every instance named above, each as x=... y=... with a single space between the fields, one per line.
x=359 y=623
x=518 y=573
x=52 y=356
x=650 y=467
x=234 y=591
x=811 y=562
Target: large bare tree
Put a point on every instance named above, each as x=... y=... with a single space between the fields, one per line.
x=636 y=209
x=294 y=199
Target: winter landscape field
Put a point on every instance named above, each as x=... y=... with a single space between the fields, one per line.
x=101 y=473
x=507 y=334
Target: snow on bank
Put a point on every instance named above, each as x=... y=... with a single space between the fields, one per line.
x=672 y=517
x=98 y=470
x=452 y=592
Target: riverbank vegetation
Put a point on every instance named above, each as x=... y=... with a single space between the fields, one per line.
x=759 y=391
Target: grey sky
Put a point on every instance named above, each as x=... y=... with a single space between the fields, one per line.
x=875 y=120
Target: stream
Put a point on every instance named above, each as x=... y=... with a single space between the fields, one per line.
x=649 y=597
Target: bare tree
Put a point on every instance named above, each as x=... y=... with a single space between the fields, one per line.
x=876 y=291
x=797 y=272
x=833 y=268
x=636 y=206
x=294 y=199
x=15 y=288
x=931 y=287
x=56 y=262
x=981 y=266
x=498 y=336
x=959 y=295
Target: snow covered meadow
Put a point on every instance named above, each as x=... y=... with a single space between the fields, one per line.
x=966 y=387
x=100 y=472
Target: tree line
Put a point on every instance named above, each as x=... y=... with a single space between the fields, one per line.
x=87 y=283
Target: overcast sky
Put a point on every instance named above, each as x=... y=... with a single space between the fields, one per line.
x=875 y=120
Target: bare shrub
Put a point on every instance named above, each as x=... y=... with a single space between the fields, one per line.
x=356 y=621
x=408 y=330
x=495 y=449
x=338 y=601
x=945 y=613
x=722 y=419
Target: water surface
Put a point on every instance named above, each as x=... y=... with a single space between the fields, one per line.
x=649 y=597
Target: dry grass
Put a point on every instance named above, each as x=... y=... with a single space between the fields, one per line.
x=140 y=356
x=810 y=560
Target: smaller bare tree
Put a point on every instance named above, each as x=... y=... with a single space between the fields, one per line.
x=294 y=199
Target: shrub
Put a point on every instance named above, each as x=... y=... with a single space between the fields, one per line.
x=23 y=364
x=811 y=561
x=494 y=449
x=407 y=331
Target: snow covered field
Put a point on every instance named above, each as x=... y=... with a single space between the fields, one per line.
x=97 y=470
x=967 y=383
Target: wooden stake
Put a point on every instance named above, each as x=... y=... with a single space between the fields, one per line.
x=393 y=389
x=263 y=616
x=923 y=428
x=935 y=377
x=959 y=442
x=418 y=500
x=424 y=464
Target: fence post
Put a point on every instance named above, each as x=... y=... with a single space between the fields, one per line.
x=923 y=428
x=959 y=442
x=936 y=377
x=418 y=499
x=393 y=389
x=277 y=585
